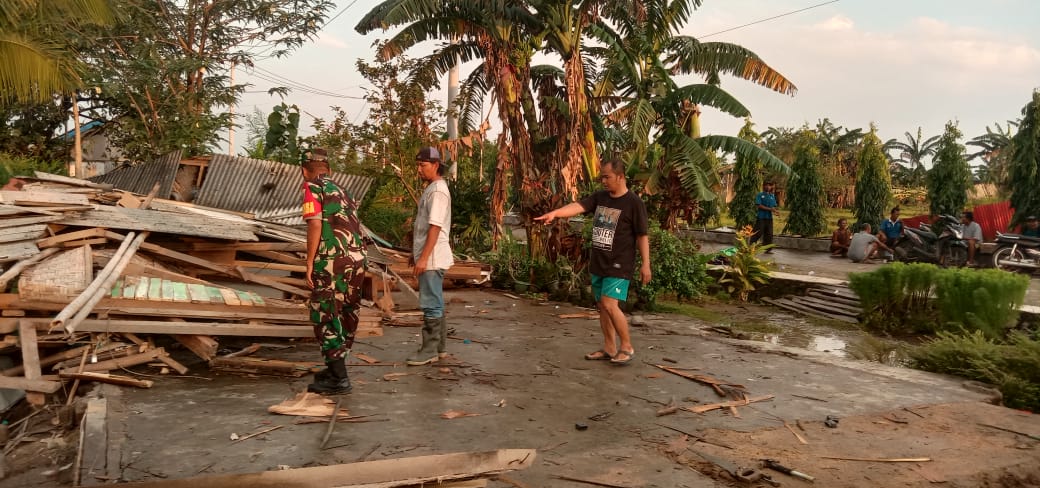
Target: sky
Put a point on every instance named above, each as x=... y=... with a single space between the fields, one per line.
x=900 y=64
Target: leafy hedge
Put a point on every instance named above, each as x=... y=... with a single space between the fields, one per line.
x=1012 y=365
x=923 y=298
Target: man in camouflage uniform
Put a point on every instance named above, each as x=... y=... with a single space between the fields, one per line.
x=335 y=269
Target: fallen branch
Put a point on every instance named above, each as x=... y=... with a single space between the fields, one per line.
x=589 y=482
x=796 y=434
x=1031 y=436
x=695 y=437
x=240 y=439
x=733 y=403
x=704 y=379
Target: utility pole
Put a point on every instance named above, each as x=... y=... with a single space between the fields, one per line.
x=77 y=148
x=231 y=111
x=453 y=123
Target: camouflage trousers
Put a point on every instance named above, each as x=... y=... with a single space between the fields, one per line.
x=334 y=303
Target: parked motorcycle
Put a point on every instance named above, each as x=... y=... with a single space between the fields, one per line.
x=1016 y=252
x=924 y=245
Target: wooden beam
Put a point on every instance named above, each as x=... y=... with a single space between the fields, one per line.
x=189 y=328
x=205 y=347
x=84 y=242
x=32 y=386
x=5 y=223
x=48 y=361
x=71 y=236
x=124 y=362
x=251 y=246
x=384 y=473
x=298 y=268
x=263 y=280
x=280 y=257
x=108 y=378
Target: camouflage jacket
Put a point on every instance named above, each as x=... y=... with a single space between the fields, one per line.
x=340 y=227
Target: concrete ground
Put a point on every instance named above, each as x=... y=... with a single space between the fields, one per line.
x=522 y=372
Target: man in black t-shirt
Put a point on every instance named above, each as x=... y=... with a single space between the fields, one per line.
x=620 y=227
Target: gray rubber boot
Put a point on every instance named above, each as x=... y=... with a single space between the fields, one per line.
x=442 y=346
x=430 y=339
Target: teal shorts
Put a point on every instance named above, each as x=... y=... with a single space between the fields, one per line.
x=609 y=286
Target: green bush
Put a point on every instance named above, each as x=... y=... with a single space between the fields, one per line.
x=922 y=298
x=509 y=263
x=985 y=300
x=1013 y=365
x=677 y=269
x=11 y=166
x=388 y=222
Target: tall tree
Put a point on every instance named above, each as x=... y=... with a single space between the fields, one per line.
x=950 y=177
x=1024 y=166
x=839 y=150
x=643 y=49
x=747 y=182
x=995 y=151
x=37 y=59
x=162 y=69
x=805 y=196
x=911 y=156
x=873 y=186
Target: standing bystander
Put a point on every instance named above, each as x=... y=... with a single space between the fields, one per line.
x=431 y=255
x=620 y=227
x=335 y=269
x=766 y=204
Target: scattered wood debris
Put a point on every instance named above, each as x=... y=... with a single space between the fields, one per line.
x=832 y=303
x=88 y=271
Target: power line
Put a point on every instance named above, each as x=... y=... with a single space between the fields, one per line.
x=297 y=86
x=334 y=17
x=769 y=18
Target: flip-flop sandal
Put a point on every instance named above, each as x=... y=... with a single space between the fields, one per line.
x=619 y=362
x=599 y=355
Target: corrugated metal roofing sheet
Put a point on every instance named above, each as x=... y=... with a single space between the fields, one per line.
x=140 y=178
x=267 y=189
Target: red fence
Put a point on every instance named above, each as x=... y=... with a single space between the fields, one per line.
x=991 y=217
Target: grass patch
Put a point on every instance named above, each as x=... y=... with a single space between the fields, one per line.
x=758 y=327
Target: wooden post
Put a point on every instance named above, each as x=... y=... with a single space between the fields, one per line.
x=31 y=360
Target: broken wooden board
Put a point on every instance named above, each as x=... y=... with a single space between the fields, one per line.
x=715 y=384
x=160 y=222
x=71 y=236
x=26 y=233
x=794 y=307
x=437 y=470
x=734 y=403
x=307 y=404
x=108 y=378
x=190 y=328
x=37 y=197
x=17 y=251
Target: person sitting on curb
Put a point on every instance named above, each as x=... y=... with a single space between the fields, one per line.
x=840 y=239
x=972 y=235
x=865 y=245
x=891 y=230
x=1032 y=227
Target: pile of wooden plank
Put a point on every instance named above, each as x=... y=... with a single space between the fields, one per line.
x=87 y=271
x=832 y=303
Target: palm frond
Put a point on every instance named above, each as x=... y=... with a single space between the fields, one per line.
x=470 y=101
x=709 y=95
x=31 y=69
x=428 y=70
x=742 y=148
x=691 y=56
x=397 y=12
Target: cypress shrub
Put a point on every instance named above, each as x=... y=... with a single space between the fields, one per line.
x=805 y=196
x=873 y=183
x=748 y=183
x=950 y=177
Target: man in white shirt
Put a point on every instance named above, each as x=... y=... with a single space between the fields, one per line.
x=432 y=256
x=864 y=244
x=972 y=235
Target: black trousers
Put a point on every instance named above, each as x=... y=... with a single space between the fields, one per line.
x=763 y=231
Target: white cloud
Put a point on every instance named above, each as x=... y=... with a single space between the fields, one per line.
x=836 y=23
x=329 y=40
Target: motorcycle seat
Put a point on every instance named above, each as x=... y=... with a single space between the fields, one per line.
x=1021 y=240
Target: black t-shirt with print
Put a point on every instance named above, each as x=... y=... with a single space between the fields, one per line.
x=616 y=224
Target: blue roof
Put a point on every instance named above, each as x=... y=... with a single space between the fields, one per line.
x=68 y=136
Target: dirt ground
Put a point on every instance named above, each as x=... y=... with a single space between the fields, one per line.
x=519 y=367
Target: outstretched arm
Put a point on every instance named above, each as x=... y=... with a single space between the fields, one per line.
x=564 y=212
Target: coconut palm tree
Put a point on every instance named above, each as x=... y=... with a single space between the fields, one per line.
x=995 y=152
x=637 y=90
x=912 y=154
x=35 y=59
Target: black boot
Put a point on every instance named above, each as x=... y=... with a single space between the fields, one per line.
x=334 y=381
